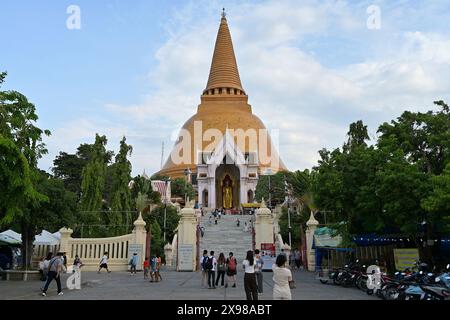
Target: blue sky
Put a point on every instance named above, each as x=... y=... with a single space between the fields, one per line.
x=138 y=68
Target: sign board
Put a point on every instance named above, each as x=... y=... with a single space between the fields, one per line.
x=268 y=256
x=324 y=237
x=405 y=258
x=185 y=257
x=136 y=248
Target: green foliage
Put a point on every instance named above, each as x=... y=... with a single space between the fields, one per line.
x=172 y=219
x=179 y=188
x=22 y=146
x=277 y=188
x=156 y=243
x=438 y=202
x=93 y=183
x=121 y=198
x=296 y=221
x=142 y=185
x=15 y=179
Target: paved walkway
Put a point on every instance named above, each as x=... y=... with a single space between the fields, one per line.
x=175 y=286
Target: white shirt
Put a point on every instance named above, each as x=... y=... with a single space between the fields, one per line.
x=281 y=277
x=248 y=268
x=214 y=263
x=104 y=260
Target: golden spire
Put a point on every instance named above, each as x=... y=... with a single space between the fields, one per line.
x=224 y=72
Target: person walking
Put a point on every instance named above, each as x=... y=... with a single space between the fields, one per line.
x=104 y=263
x=146 y=268
x=231 y=270
x=258 y=271
x=211 y=266
x=45 y=265
x=281 y=278
x=238 y=222
x=204 y=271
x=54 y=273
x=297 y=258
x=133 y=263
x=221 y=268
x=249 y=278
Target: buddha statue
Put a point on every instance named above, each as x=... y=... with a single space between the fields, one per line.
x=227 y=195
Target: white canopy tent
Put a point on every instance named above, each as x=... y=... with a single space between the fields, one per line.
x=45 y=238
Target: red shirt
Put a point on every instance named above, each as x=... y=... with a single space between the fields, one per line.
x=146 y=264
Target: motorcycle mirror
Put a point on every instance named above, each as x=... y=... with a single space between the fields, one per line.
x=448 y=266
x=357 y=260
x=430 y=274
x=437 y=279
x=364 y=266
x=421 y=272
x=397 y=273
x=346 y=265
x=403 y=273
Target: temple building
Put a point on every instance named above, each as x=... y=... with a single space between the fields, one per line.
x=224 y=147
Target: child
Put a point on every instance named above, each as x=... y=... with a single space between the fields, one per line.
x=146 y=268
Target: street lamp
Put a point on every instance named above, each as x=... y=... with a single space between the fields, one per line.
x=187 y=172
x=269 y=172
x=166 y=181
x=286 y=188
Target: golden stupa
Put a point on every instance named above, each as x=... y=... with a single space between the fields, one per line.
x=224 y=105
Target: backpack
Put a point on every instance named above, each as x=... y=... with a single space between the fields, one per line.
x=232 y=264
x=209 y=263
x=221 y=267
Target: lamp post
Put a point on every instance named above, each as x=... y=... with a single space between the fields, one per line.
x=269 y=172
x=166 y=181
x=187 y=172
x=286 y=187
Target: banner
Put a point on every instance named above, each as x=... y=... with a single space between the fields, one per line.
x=323 y=238
x=405 y=258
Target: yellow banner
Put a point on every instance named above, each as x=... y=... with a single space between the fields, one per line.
x=405 y=258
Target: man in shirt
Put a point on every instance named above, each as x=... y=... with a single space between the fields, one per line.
x=204 y=271
x=212 y=271
x=54 y=272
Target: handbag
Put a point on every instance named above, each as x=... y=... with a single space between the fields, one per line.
x=292 y=284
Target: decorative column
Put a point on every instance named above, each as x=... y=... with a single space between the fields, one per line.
x=140 y=239
x=310 y=252
x=187 y=239
x=64 y=242
x=263 y=226
x=168 y=253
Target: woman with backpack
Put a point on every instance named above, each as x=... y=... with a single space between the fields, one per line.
x=231 y=270
x=221 y=268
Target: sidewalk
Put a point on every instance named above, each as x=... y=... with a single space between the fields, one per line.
x=175 y=286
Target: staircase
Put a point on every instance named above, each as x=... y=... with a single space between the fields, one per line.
x=226 y=237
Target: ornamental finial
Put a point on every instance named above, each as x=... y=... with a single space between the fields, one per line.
x=223 y=13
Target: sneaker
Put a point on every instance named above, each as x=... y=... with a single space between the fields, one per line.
x=44 y=294
x=60 y=294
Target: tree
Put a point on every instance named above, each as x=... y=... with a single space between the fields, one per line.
x=121 y=198
x=93 y=182
x=179 y=187
x=19 y=133
x=15 y=179
x=172 y=219
x=276 y=192
x=438 y=202
x=143 y=185
x=69 y=167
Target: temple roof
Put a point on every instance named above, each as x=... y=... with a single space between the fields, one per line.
x=224 y=72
